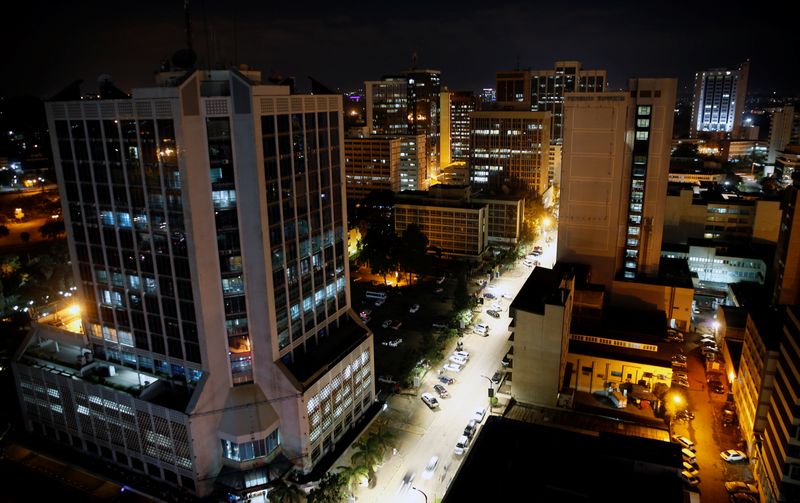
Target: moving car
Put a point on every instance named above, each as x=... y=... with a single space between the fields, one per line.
x=430 y=467
x=733 y=455
x=441 y=390
x=685 y=442
x=741 y=487
x=414 y=308
x=405 y=485
x=430 y=400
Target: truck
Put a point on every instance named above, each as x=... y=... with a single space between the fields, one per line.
x=619 y=400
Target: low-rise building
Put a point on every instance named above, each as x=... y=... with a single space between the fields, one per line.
x=715 y=262
x=371 y=163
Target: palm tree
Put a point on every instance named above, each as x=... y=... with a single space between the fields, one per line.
x=354 y=475
x=368 y=455
x=281 y=492
x=383 y=438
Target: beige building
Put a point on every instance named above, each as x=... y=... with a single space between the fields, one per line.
x=614 y=173
x=506 y=214
x=510 y=148
x=724 y=217
x=787 y=256
x=753 y=385
x=672 y=297
x=455 y=228
x=371 y=163
x=541 y=316
x=695 y=176
x=456 y=107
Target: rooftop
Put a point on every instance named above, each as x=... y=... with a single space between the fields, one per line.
x=612 y=467
x=543 y=287
x=769 y=323
x=344 y=335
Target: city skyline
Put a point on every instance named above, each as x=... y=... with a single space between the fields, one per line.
x=468 y=42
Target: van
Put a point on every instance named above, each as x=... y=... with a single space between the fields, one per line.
x=688 y=456
x=376 y=295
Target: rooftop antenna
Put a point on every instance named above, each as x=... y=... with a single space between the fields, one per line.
x=188 y=20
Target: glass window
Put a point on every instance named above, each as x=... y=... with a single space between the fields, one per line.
x=642 y=135
x=643 y=110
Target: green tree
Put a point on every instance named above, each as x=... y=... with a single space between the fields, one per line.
x=281 y=492
x=369 y=454
x=413 y=251
x=354 y=475
x=378 y=250
x=383 y=438
x=52 y=229
x=331 y=489
x=25 y=237
x=4 y=231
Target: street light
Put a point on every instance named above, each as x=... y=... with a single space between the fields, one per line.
x=490 y=391
x=421 y=492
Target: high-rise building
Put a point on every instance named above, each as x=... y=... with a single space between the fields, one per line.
x=787 y=253
x=719 y=96
x=407 y=104
x=543 y=90
x=615 y=167
x=781 y=122
x=454 y=125
x=371 y=163
x=206 y=227
x=510 y=148
x=775 y=464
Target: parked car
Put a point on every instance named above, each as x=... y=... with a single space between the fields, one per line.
x=461 y=445
x=397 y=325
x=414 y=308
x=679 y=358
x=393 y=343
x=452 y=367
x=469 y=430
x=743 y=498
x=489 y=295
x=692 y=469
x=741 y=487
x=430 y=467
x=684 y=441
x=733 y=455
x=679 y=365
x=379 y=302
x=716 y=386
x=508 y=296
x=430 y=400
x=440 y=280
x=441 y=390
x=506 y=361
x=446 y=380
x=497 y=307
x=439 y=290
x=386 y=323
x=527 y=263
x=458 y=360
x=493 y=314
x=462 y=354
x=479 y=414
x=387 y=379
x=497 y=377
x=483 y=327
x=690 y=479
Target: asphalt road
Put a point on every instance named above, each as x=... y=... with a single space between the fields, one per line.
x=422 y=432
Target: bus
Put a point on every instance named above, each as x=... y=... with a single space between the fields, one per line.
x=376 y=295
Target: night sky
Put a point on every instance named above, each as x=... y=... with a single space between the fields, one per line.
x=344 y=43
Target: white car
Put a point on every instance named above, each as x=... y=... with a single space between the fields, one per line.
x=386 y=323
x=527 y=263
x=379 y=302
x=461 y=445
x=508 y=296
x=430 y=467
x=482 y=326
x=497 y=307
x=458 y=360
x=741 y=487
x=690 y=479
x=480 y=331
x=685 y=442
x=430 y=400
x=462 y=354
x=414 y=308
x=480 y=413
x=452 y=367
x=732 y=455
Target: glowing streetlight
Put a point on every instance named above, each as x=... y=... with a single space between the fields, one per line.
x=74 y=310
x=547 y=222
x=677 y=400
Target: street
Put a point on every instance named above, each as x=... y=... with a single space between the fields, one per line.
x=421 y=432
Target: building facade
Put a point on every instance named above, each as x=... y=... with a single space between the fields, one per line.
x=222 y=320
x=371 y=163
x=615 y=167
x=456 y=107
x=787 y=255
x=777 y=463
x=719 y=96
x=510 y=148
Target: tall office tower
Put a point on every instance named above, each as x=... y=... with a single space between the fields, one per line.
x=454 y=125
x=407 y=104
x=387 y=105
x=776 y=465
x=781 y=122
x=787 y=253
x=543 y=90
x=206 y=227
x=413 y=162
x=510 y=148
x=371 y=163
x=719 y=96
x=614 y=173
